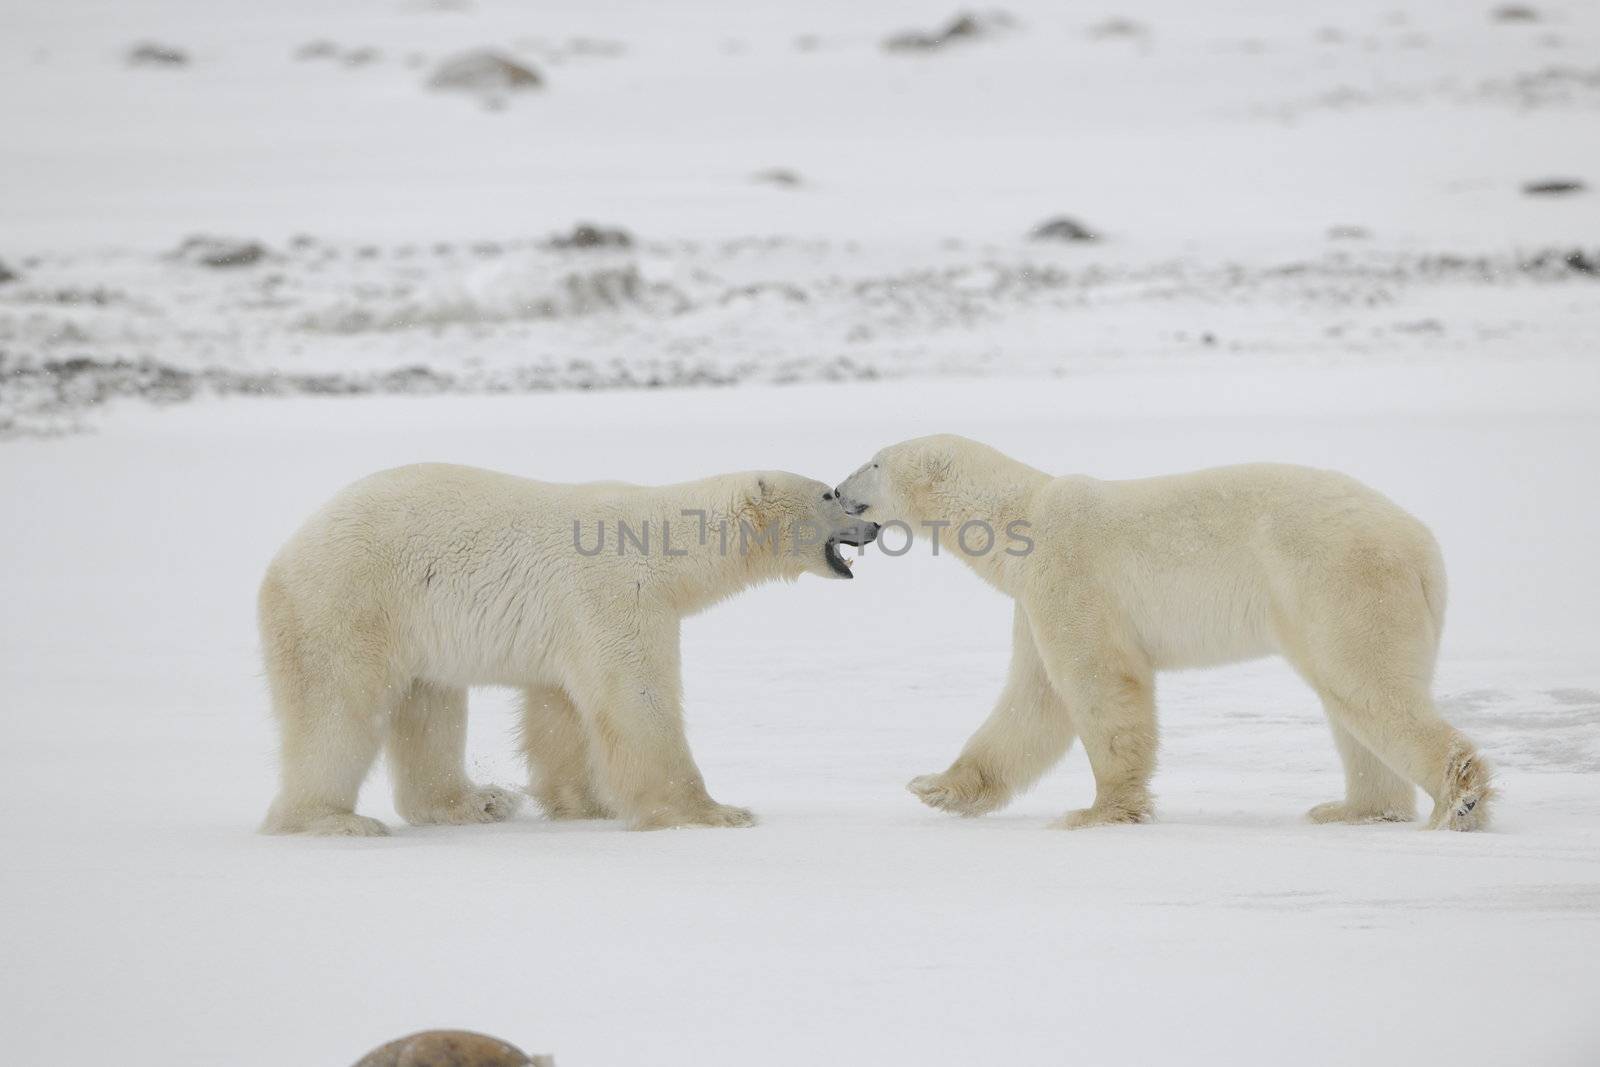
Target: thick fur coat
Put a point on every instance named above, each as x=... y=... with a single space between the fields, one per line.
x=414 y=584
x=1129 y=578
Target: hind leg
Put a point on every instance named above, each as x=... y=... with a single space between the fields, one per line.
x=1369 y=652
x=427 y=756
x=1372 y=792
x=1405 y=731
x=330 y=734
x=555 y=743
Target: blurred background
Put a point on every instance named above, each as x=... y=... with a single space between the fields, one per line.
x=419 y=196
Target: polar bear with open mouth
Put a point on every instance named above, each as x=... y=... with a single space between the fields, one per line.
x=413 y=584
x=1128 y=578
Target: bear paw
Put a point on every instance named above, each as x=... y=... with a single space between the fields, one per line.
x=1468 y=790
x=1104 y=815
x=484 y=804
x=961 y=790
x=562 y=803
x=1468 y=813
x=344 y=825
x=1340 y=811
x=727 y=815
x=713 y=814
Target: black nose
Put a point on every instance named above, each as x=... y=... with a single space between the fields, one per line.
x=875 y=529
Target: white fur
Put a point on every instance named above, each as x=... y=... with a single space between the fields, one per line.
x=414 y=584
x=1128 y=578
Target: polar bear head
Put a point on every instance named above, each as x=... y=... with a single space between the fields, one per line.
x=903 y=482
x=800 y=523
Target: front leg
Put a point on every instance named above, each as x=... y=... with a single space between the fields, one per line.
x=1112 y=690
x=1026 y=734
x=632 y=706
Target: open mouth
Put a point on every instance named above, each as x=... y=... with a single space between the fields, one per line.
x=855 y=537
x=837 y=563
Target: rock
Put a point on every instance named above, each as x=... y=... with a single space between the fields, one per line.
x=1554 y=187
x=965 y=26
x=589 y=235
x=484 y=72
x=151 y=54
x=1110 y=29
x=451 y=1048
x=1515 y=13
x=7 y=274
x=1062 y=228
x=1558 y=262
x=1579 y=263
x=777 y=176
x=207 y=251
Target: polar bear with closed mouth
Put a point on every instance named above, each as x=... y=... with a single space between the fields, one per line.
x=414 y=584
x=1128 y=578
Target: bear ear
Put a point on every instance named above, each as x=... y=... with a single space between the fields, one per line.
x=757 y=499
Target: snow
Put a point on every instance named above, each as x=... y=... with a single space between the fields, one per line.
x=851 y=924
x=1219 y=155
x=1448 y=359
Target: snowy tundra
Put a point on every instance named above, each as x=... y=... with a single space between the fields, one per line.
x=1188 y=570
x=415 y=583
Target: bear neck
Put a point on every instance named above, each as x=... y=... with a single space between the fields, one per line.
x=997 y=492
x=719 y=569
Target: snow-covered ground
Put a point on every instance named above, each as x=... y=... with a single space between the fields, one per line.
x=852 y=925
x=1314 y=247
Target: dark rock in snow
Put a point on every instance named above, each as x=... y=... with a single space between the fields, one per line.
x=484 y=72
x=451 y=1048
x=1554 y=187
x=207 y=251
x=1559 y=262
x=317 y=50
x=1062 y=228
x=1110 y=29
x=589 y=235
x=777 y=176
x=965 y=26
x=1580 y=263
x=151 y=54
x=1515 y=13
x=7 y=274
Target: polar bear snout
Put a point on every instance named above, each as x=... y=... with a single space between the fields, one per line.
x=858 y=534
x=863 y=490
